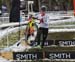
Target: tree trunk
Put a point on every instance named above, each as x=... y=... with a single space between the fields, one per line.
x=8 y=5
x=15 y=11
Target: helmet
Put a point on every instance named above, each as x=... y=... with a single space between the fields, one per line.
x=43 y=8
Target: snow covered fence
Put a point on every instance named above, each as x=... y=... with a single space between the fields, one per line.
x=10 y=28
x=13 y=24
x=71 y=20
x=4 y=20
x=61 y=30
x=59 y=22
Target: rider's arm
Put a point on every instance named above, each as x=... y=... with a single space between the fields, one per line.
x=36 y=17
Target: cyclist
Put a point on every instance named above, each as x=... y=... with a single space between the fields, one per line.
x=43 y=28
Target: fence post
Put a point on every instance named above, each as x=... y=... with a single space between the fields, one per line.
x=7 y=39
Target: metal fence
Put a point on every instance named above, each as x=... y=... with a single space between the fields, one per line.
x=10 y=34
x=4 y=20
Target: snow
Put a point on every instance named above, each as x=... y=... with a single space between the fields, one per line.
x=19 y=48
x=61 y=30
x=3 y=60
x=7 y=31
x=15 y=48
x=58 y=15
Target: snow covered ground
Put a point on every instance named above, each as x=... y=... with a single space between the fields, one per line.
x=3 y=59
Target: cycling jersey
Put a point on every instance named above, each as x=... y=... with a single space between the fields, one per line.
x=31 y=26
x=45 y=19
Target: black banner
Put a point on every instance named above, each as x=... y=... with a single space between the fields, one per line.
x=27 y=55
x=39 y=55
x=65 y=42
x=60 y=55
x=46 y=43
x=56 y=42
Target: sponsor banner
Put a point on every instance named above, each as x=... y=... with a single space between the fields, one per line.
x=57 y=42
x=46 y=43
x=65 y=42
x=60 y=55
x=39 y=55
x=27 y=55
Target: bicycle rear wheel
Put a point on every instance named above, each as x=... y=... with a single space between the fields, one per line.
x=31 y=37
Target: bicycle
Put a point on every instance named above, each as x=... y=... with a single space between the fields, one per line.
x=28 y=33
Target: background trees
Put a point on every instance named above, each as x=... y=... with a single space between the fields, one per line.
x=15 y=11
x=51 y=4
x=0 y=3
x=8 y=3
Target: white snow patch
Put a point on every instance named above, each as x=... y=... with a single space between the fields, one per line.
x=3 y=60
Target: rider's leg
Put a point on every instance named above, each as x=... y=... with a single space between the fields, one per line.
x=38 y=37
x=28 y=34
x=45 y=33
